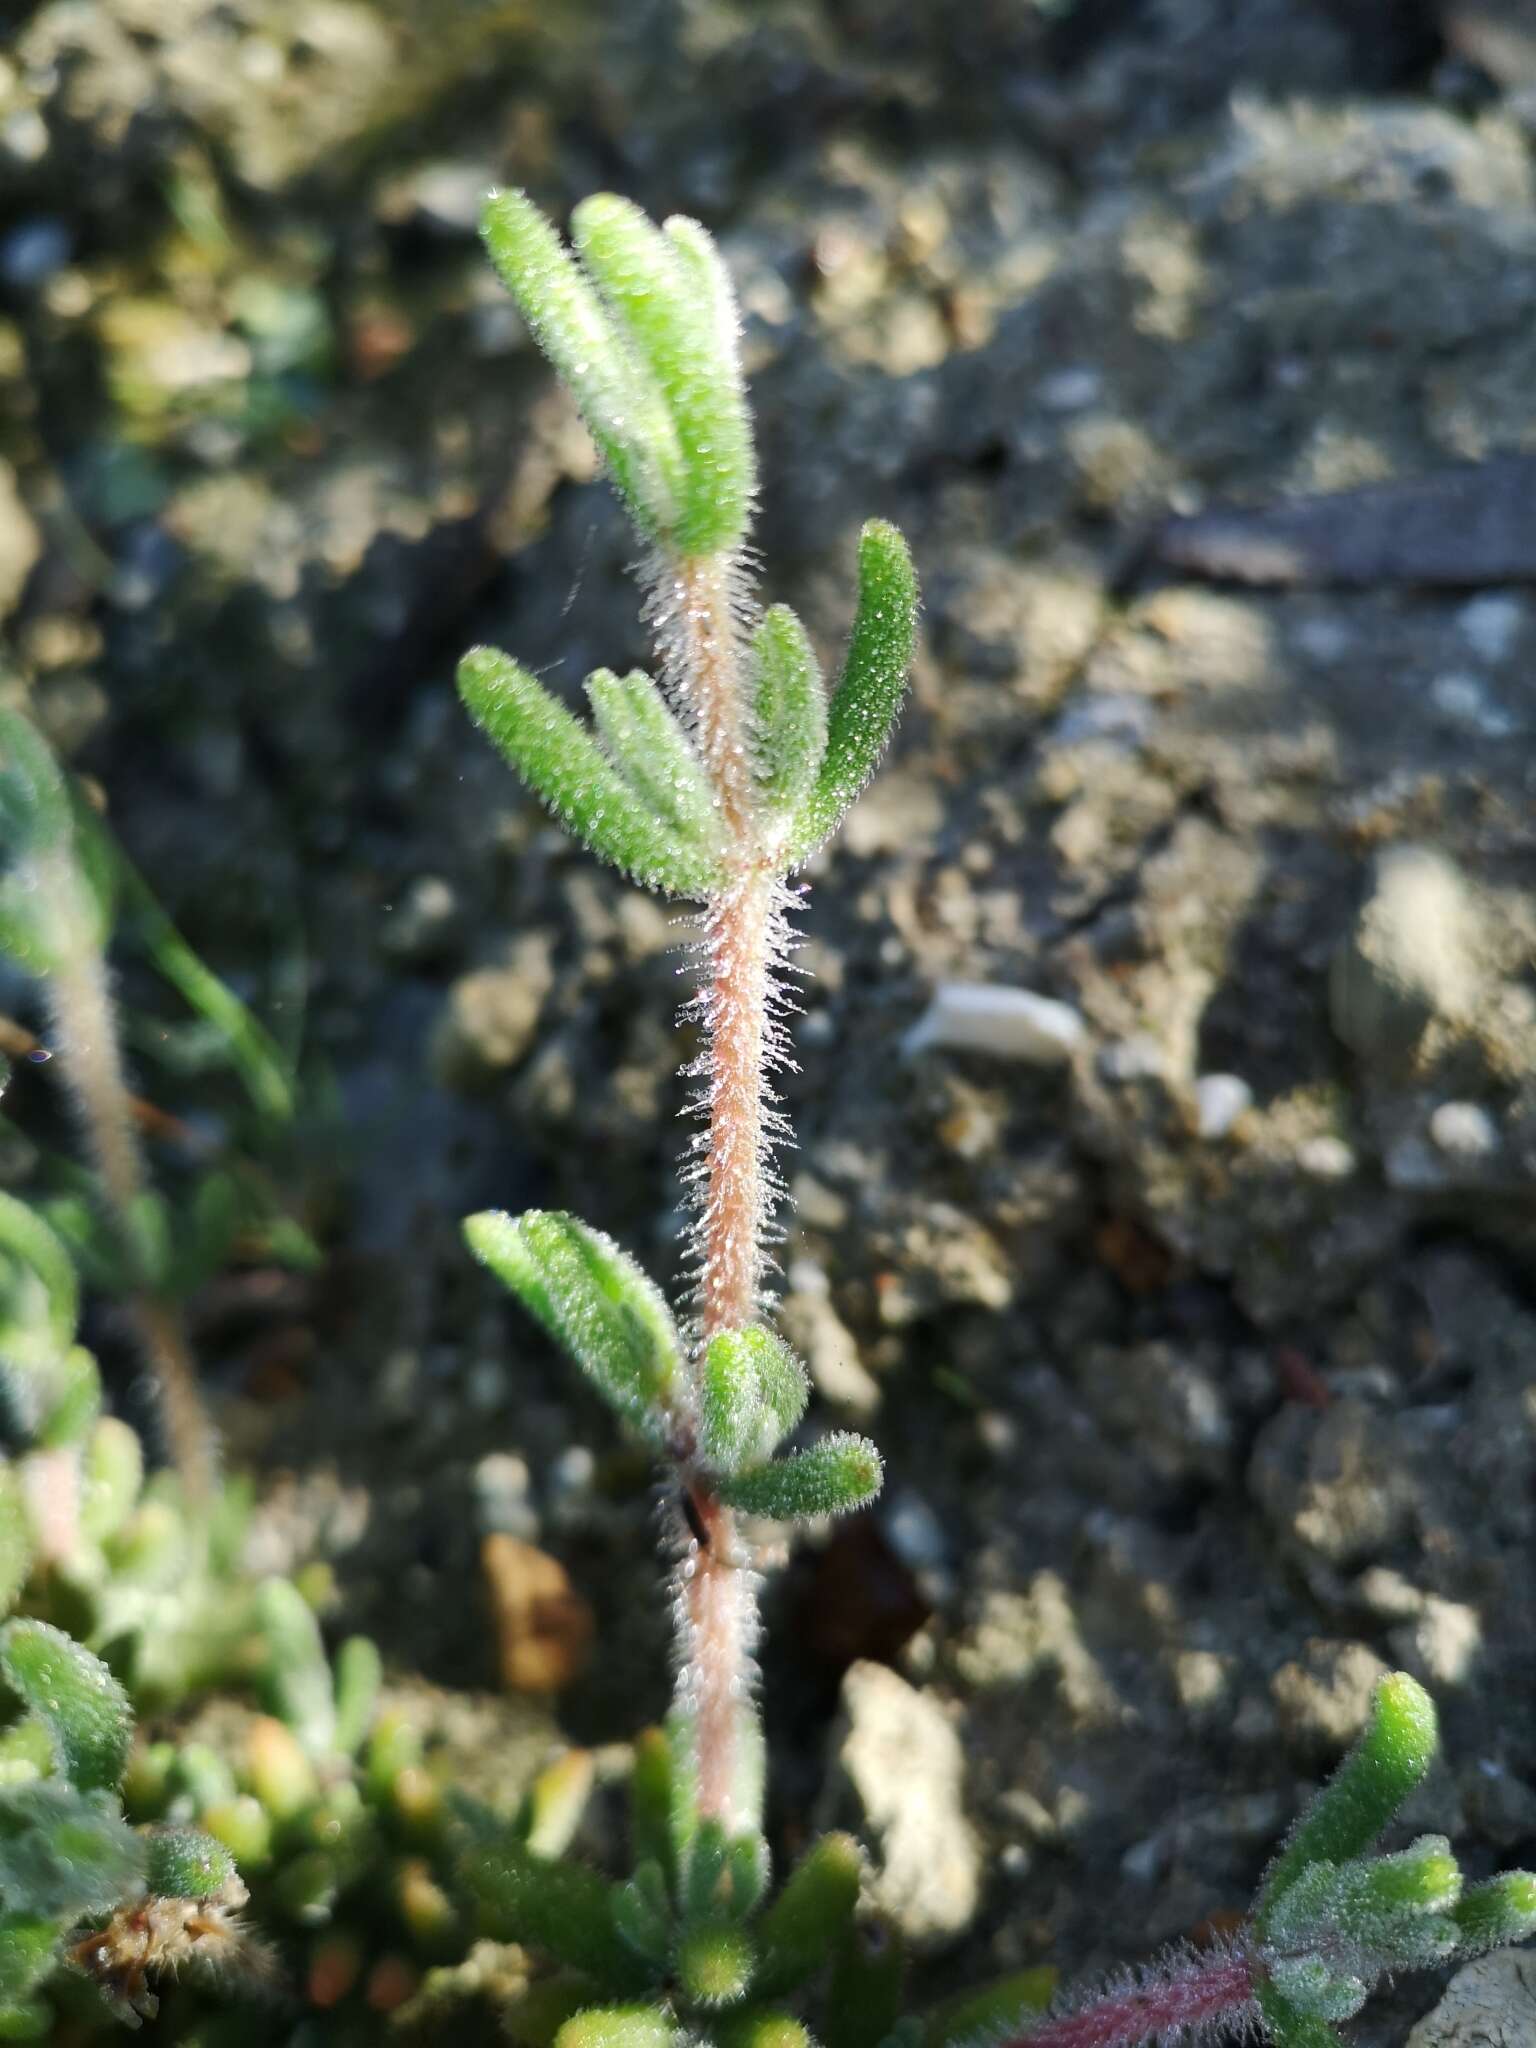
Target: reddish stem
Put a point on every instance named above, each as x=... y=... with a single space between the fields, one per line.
x=1206 y=1989
x=719 y=1601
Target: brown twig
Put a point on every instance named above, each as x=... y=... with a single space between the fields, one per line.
x=86 y=1046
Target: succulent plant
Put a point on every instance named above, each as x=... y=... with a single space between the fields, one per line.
x=80 y=1888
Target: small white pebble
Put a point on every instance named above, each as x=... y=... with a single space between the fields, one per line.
x=1220 y=1099
x=1139 y=1058
x=1323 y=639
x=1464 y=1130
x=1012 y=1023
x=1491 y=624
x=1466 y=699
x=1325 y=1158
x=1069 y=390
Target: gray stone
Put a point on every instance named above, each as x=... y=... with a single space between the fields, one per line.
x=1489 y=2004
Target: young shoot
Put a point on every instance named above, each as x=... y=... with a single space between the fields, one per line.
x=714 y=783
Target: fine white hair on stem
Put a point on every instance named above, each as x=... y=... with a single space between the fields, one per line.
x=1183 y=1998
x=701 y=614
x=742 y=1005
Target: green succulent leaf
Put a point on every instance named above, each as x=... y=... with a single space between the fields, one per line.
x=111 y=1478
x=198 y=1770
x=594 y=1301
x=642 y=1912
x=754 y=1392
x=28 y=1946
x=1005 y=2006
x=762 y=2027
x=49 y=904
x=869 y=693
x=359 y=1679
x=704 y=1878
x=276 y=1768
x=1365 y=1900
x=560 y=1908
x=75 y=1696
x=556 y=1801
x=75 y=1398
x=16 y=1543
x=789 y=711
x=619 y=2026
x=841 y=1473
x=863 y=2002
x=1369 y=1786
x=1287 y=2026
x=244 y=1827
x=185 y=1863
x=563 y=765
x=295 y=1676
x=650 y=1803
x=65 y=1852
x=1423 y=1878
x=807 y=1920
x=715 y=1964
x=648 y=746
x=1307 y=1983
x=748 y=1868
x=26 y=1238
x=670 y=292
x=619 y=396
x=1497 y=1913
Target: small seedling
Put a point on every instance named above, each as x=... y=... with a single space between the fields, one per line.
x=1332 y=1919
x=716 y=786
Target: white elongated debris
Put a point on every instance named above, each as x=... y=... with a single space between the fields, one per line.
x=1009 y=1023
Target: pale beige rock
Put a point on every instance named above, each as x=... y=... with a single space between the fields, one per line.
x=900 y=1764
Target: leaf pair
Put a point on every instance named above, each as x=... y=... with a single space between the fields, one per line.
x=597 y=1304
x=643 y=329
x=753 y=1393
x=640 y=802
x=637 y=794
x=813 y=758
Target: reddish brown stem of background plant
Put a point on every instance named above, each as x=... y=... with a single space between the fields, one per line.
x=1195 y=1994
x=85 y=1041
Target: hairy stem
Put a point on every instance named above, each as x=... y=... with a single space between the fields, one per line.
x=701 y=643
x=1168 y=2005
x=85 y=1042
